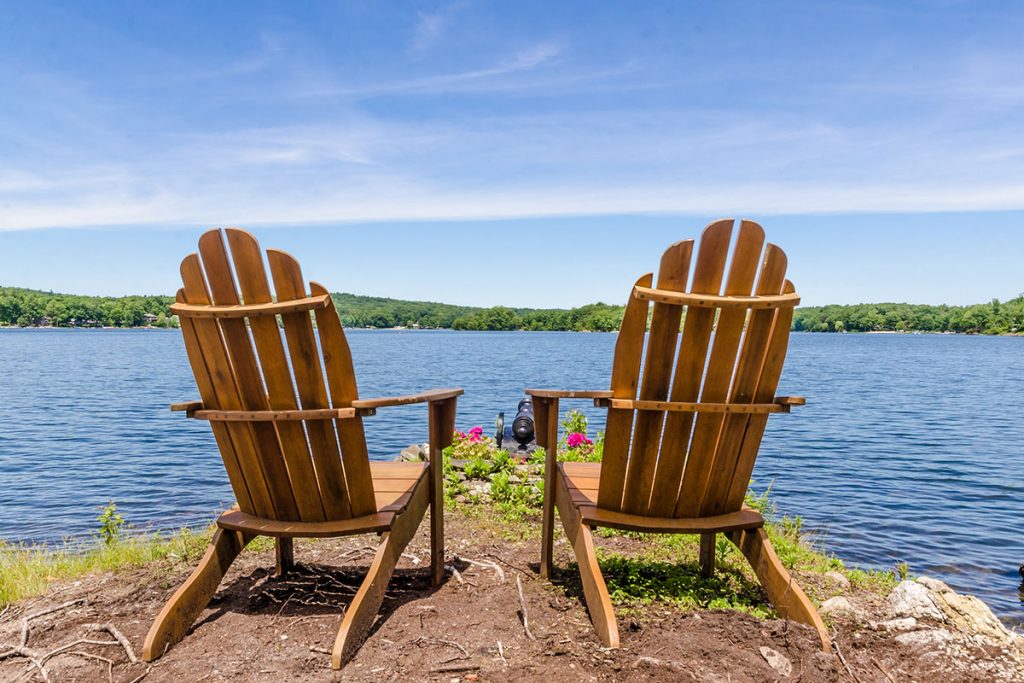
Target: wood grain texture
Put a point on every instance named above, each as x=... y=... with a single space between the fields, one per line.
x=723 y=408
x=255 y=288
x=721 y=361
x=422 y=397
x=785 y=595
x=625 y=375
x=745 y=385
x=312 y=390
x=707 y=554
x=246 y=373
x=771 y=371
x=545 y=410
x=442 y=431
x=221 y=433
x=189 y=601
x=341 y=382
x=207 y=335
x=657 y=374
x=693 y=348
x=260 y=310
x=595 y=591
x=362 y=611
x=569 y=393
x=274 y=416
x=667 y=296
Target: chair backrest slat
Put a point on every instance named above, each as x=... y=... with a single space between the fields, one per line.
x=625 y=374
x=745 y=382
x=285 y=470
x=721 y=362
x=255 y=289
x=661 y=345
x=341 y=383
x=250 y=475
x=208 y=395
x=693 y=349
x=251 y=392
x=309 y=379
x=675 y=463
x=771 y=372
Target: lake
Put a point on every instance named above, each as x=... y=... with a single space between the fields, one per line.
x=909 y=449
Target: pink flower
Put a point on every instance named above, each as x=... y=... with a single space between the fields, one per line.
x=476 y=434
x=576 y=439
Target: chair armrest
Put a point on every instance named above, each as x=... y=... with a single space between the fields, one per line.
x=368 y=406
x=598 y=395
x=790 y=400
x=186 y=406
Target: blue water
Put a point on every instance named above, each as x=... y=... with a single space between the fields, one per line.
x=911 y=448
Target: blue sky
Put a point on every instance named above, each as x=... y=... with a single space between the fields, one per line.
x=403 y=149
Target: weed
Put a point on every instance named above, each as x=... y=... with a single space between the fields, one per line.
x=111 y=523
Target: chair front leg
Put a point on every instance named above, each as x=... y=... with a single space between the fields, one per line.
x=442 y=430
x=546 y=414
x=189 y=601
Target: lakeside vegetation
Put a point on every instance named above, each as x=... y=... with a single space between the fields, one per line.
x=34 y=308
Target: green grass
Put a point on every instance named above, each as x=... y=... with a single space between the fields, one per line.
x=26 y=571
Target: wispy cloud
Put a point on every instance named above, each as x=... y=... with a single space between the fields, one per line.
x=485 y=79
x=431 y=27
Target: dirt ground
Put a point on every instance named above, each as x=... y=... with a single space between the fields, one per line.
x=260 y=628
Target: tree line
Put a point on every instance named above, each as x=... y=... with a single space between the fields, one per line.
x=994 y=317
x=33 y=308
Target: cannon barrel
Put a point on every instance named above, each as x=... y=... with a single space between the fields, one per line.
x=523 y=425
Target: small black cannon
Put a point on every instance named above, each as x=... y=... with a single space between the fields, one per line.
x=522 y=431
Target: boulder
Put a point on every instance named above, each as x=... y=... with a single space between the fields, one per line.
x=841 y=607
x=966 y=613
x=912 y=599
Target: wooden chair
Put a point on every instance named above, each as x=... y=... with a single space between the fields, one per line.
x=297 y=466
x=679 y=452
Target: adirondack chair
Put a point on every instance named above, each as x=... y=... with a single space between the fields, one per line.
x=678 y=455
x=298 y=467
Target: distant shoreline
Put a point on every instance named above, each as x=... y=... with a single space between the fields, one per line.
x=29 y=308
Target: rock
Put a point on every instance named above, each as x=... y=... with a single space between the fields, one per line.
x=905 y=624
x=655 y=662
x=413 y=453
x=480 y=488
x=966 y=613
x=838 y=578
x=932 y=636
x=912 y=599
x=777 y=661
x=841 y=607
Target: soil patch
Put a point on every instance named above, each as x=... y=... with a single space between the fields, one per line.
x=261 y=628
